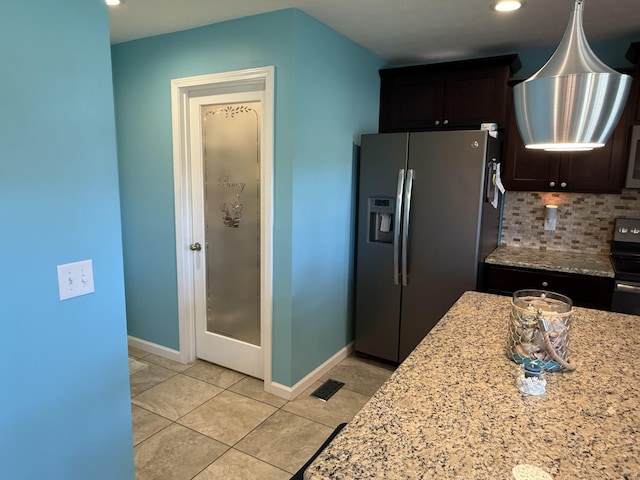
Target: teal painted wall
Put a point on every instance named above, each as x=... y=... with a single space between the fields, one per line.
x=143 y=70
x=611 y=52
x=326 y=94
x=65 y=405
x=336 y=93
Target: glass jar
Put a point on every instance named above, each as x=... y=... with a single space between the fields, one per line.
x=533 y=312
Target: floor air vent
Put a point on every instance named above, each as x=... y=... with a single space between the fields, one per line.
x=327 y=389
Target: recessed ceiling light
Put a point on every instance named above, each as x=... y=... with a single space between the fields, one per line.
x=507 y=5
x=111 y=3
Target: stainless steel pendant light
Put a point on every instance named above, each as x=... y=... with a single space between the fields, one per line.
x=574 y=101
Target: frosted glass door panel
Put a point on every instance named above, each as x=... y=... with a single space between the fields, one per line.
x=231 y=158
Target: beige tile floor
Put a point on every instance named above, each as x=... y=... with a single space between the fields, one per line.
x=201 y=421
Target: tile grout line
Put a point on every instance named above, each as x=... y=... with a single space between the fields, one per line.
x=229 y=447
x=280 y=408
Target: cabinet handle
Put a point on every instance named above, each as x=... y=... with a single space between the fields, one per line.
x=563 y=184
x=545 y=284
x=627 y=288
x=446 y=122
x=437 y=122
x=552 y=184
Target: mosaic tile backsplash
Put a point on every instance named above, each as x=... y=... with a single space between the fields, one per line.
x=584 y=220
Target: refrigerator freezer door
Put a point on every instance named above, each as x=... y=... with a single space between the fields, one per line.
x=445 y=227
x=377 y=297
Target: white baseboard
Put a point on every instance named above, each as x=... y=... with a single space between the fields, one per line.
x=282 y=391
x=154 y=348
x=289 y=393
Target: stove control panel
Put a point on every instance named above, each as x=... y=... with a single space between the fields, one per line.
x=627 y=230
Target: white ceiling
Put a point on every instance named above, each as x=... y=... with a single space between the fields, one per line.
x=401 y=31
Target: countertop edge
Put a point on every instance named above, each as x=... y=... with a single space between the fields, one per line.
x=551 y=261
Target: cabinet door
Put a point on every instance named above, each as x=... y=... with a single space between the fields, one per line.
x=528 y=170
x=524 y=169
x=411 y=103
x=531 y=170
x=583 y=290
x=475 y=96
x=634 y=95
x=453 y=95
x=598 y=171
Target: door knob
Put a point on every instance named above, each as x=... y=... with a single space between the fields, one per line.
x=196 y=247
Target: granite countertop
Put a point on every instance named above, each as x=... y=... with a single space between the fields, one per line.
x=451 y=410
x=570 y=262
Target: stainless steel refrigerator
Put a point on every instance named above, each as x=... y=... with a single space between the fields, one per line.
x=428 y=215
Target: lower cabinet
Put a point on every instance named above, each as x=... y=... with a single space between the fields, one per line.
x=585 y=290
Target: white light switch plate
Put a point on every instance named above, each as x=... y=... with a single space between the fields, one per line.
x=75 y=279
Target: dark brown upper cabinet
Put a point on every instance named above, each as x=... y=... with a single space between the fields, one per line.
x=633 y=55
x=634 y=96
x=452 y=95
x=601 y=170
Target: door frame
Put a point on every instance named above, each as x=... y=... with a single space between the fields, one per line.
x=182 y=89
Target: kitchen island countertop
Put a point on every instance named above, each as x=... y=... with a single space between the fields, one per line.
x=451 y=410
x=569 y=262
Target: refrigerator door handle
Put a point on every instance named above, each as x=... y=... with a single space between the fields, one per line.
x=405 y=226
x=396 y=228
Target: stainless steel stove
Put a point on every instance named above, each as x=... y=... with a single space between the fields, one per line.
x=625 y=258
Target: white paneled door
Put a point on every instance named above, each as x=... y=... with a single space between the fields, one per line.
x=223 y=133
x=225 y=169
